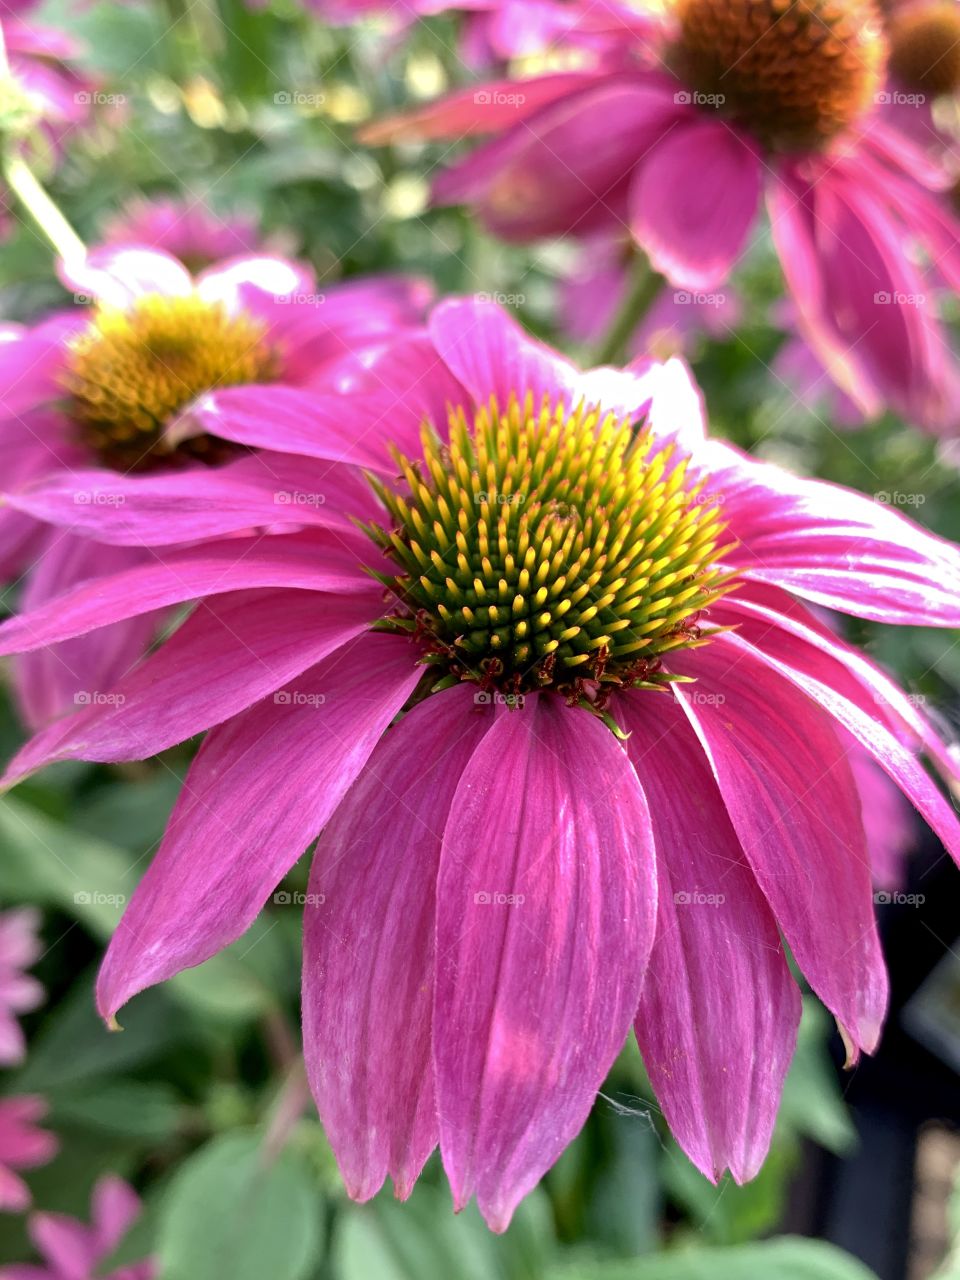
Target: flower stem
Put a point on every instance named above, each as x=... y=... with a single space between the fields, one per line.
x=643 y=285
x=57 y=230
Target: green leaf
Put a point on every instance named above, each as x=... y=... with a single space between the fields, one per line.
x=128 y=1108
x=232 y=1213
x=790 y=1258
x=812 y=1102
x=389 y=1241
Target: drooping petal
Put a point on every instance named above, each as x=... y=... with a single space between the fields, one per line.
x=831 y=544
x=794 y=805
x=718 y=1014
x=231 y=652
x=888 y=701
x=369 y=946
x=693 y=202
x=261 y=788
x=311 y=562
x=567 y=169
x=546 y=909
x=830 y=685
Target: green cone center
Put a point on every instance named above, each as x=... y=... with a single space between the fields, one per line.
x=549 y=548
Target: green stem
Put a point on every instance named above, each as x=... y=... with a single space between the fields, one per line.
x=642 y=288
x=58 y=231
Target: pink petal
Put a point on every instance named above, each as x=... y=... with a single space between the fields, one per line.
x=829 y=684
x=48 y=682
x=291 y=420
x=566 y=169
x=546 y=915
x=190 y=506
x=793 y=803
x=233 y=651
x=831 y=544
x=116 y=1207
x=877 y=691
x=486 y=108
x=236 y=281
x=694 y=201
x=67 y=1245
x=119 y=274
x=491 y=355
x=261 y=788
x=793 y=225
x=718 y=1015
x=369 y=947
x=311 y=562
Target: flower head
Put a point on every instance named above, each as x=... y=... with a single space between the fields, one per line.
x=676 y=133
x=19 y=993
x=71 y=1250
x=576 y=753
x=187 y=229
x=104 y=397
x=22 y=1146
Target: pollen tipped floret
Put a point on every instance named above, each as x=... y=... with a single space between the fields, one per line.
x=794 y=72
x=131 y=371
x=550 y=547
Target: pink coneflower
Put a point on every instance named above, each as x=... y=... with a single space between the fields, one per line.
x=92 y=395
x=20 y=947
x=187 y=229
x=679 y=137
x=22 y=1146
x=571 y=743
x=71 y=1250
